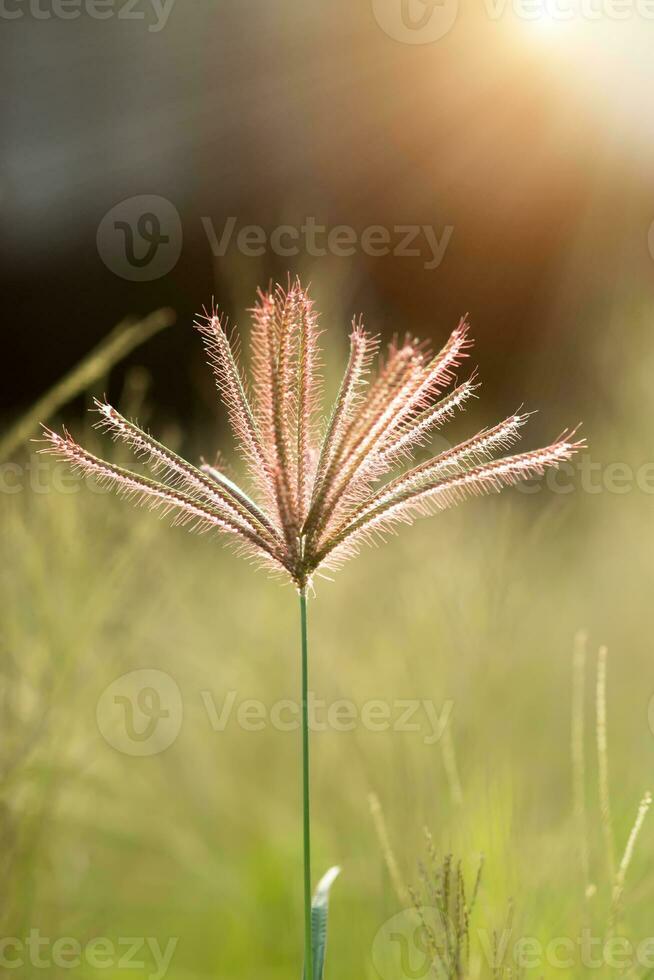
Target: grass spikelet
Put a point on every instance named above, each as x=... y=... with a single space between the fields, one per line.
x=621 y=873
x=316 y=500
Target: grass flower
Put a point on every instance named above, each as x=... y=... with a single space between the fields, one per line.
x=320 y=489
x=320 y=493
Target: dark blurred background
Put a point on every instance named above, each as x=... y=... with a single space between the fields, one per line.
x=525 y=144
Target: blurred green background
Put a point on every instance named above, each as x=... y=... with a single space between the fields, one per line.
x=531 y=140
x=473 y=612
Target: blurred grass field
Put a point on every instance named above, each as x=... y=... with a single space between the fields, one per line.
x=477 y=609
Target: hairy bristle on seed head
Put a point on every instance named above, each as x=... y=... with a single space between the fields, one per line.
x=321 y=488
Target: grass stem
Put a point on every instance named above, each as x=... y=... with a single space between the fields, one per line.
x=400 y=888
x=603 y=761
x=579 y=757
x=306 y=803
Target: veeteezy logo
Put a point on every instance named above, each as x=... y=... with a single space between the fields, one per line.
x=154 y=13
x=565 y=11
x=140 y=239
x=403 y=948
x=425 y=21
x=317 y=240
x=141 y=714
x=144 y=953
x=420 y=716
x=415 y=21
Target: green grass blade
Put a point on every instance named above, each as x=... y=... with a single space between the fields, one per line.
x=319 y=913
x=122 y=340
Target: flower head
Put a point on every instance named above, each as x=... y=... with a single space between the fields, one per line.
x=321 y=489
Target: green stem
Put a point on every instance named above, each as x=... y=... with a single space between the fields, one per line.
x=306 y=824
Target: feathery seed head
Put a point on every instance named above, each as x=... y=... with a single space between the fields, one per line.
x=319 y=495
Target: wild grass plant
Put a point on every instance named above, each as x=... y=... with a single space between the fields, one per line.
x=96 y=842
x=319 y=487
x=439 y=934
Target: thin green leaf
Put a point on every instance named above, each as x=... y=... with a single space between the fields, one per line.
x=319 y=913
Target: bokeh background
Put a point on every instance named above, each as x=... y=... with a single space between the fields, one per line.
x=521 y=138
